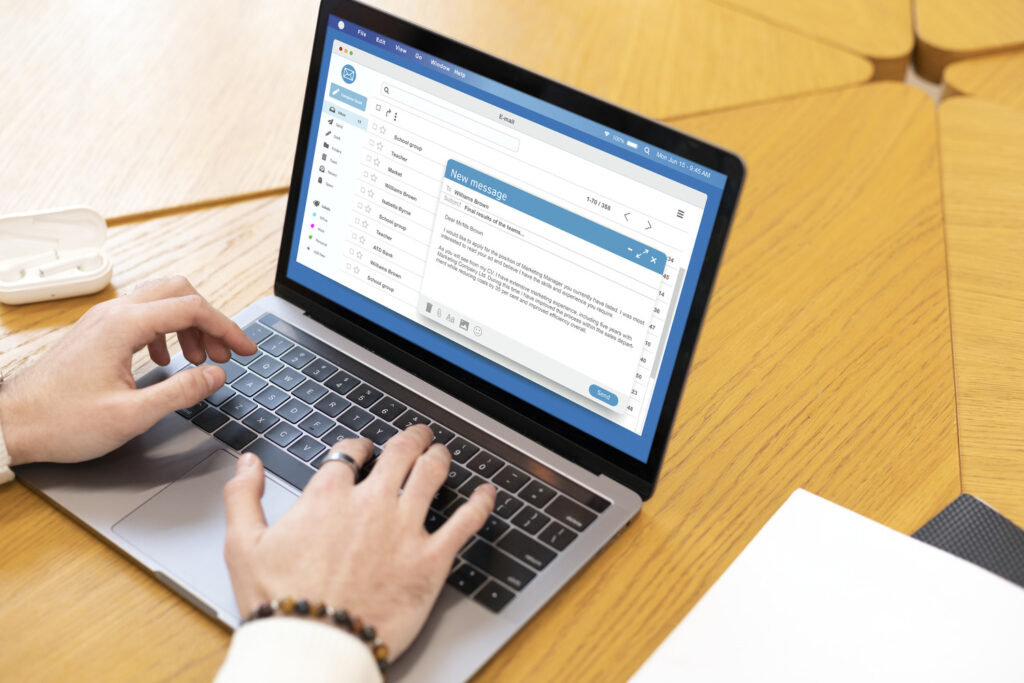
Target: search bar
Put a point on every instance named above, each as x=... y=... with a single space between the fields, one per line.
x=463 y=123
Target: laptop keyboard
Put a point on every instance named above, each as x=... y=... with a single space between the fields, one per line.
x=296 y=397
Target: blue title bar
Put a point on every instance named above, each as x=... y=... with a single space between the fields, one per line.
x=574 y=224
x=597 y=135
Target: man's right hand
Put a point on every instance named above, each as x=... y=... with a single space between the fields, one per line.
x=362 y=547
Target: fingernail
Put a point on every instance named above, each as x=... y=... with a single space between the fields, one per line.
x=489 y=488
x=247 y=460
x=212 y=376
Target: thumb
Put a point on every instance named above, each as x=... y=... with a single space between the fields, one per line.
x=242 y=495
x=180 y=390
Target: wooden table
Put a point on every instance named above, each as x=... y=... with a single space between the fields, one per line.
x=951 y=30
x=824 y=362
x=983 y=179
x=135 y=107
x=140 y=107
x=997 y=78
x=880 y=30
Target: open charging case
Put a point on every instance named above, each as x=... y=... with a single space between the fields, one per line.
x=52 y=255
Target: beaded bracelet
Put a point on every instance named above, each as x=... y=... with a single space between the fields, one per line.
x=339 y=617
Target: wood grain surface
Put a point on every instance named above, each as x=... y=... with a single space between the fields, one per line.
x=982 y=147
x=996 y=78
x=951 y=30
x=135 y=107
x=880 y=30
x=824 y=362
x=660 y=58
x=132 y=107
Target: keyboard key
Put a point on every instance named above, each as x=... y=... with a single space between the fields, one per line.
x=493 y=529
x=271 y=397
x=494 y=597
x=502 y=567
x=231 y=370
x=441 y=434
x=261 y=420
x=387 y=408
x=316 y=424
x=461 y=449
x=434 y=521
x=506 y=505
x=210 y=420
x=537 y=493
x=276 y=345
x=192 y=411
x=457 y=474
x=249 y=384
x=410 y=418
x=294 y=410
x=337 y=434
x=470 y=485
x=485 y=465
x=365 y=395
x=319 y=370
x=221 y=395
x=570 y=513
x=466 y=579
x=266 y=366
x=341 y=382
x=557 y=536
x=287 y=379
x=511 y=479
x=443 y=498
x=331 y=405
x=235 y=435
x=306 y=448
x=256 y=332
x=298 y=357
x=244 y=360
x=355 y=419
x=283 y=465
x=454 y=505
x=531 y=520
x=283 y=434
x=310 y=391
x=379 y=432
x=528 y=551
x=238 y=407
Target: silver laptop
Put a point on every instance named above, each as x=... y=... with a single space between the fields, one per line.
x=467 y=245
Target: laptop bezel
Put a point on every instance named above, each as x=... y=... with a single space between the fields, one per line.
x=561 y=437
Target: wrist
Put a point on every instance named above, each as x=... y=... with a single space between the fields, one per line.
x=12 y=423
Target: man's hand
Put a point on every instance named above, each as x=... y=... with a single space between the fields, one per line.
x=361 y=547
x=79 y=400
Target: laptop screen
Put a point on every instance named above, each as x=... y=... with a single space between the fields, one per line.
x=548 y=255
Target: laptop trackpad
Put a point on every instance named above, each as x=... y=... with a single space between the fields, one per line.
x=181 y=529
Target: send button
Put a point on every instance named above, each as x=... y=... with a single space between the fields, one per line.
x=604 y=395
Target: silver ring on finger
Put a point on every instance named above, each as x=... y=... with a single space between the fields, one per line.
x=335 y=456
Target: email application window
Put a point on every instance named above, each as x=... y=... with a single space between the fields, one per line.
x=553 y=260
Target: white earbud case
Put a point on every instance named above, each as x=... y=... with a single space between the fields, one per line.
x=52 y=255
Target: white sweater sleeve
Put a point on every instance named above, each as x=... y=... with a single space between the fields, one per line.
x=5 y=460
x=296 y=649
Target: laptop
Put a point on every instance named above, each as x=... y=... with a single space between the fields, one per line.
x=470 y=246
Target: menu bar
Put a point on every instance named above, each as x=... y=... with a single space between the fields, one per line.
x=629 y=148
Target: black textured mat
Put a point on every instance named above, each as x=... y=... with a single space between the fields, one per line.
x=970 y=529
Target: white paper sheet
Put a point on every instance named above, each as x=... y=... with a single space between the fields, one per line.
x=824 y=594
